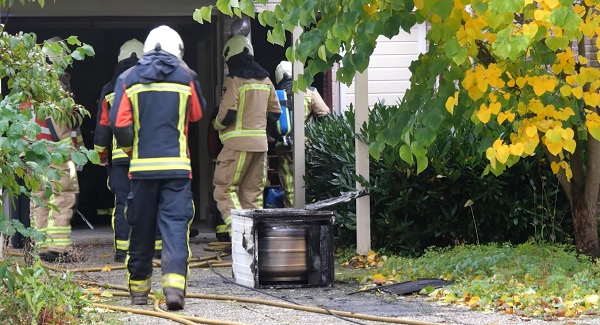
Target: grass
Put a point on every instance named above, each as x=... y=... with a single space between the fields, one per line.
x=539 y=280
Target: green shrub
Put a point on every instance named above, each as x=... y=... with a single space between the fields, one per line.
x=34 y=295
x=450 y=202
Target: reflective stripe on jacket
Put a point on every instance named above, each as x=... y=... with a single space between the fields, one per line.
x=103 y=138
x=154 y=102
x=252 y=99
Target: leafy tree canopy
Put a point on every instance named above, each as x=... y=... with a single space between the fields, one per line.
x=518 y=69
x=30 y=76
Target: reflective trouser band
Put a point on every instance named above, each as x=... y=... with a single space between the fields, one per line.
x=140 y=285
x=221 y=229
x=153 y=164
x=59 y=230
x=242 y=133
x=56 y=236
x=99 y=148
x=119 y=153
x=289 y=181
x=227 y=224
x=173 y=280
x=56 y=242
x=158 y=244
x=122 y=244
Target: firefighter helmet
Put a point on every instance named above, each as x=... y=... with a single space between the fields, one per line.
x=282 y=69
x=129 y=48
x=50 y=54
x=236 y=45
x=166 y=39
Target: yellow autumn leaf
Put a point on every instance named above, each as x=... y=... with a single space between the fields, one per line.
x=502 y=154
x=419 y=4
x=591 y=99
x=593 y=128
x=554 y=135
x=577 y=92
x=530 y=29
x=582 y=59
x=587 y=29
x=539 y=14
x=106 y=268
x=451 y=102
x=554 y=148
x=567 y=133
x=484 y=114
x=379 y=279
x=531 y=131
x=106 y=294
x=475 y=93
x=565 y=91
x=490 y=154
x=495 y=107
x=501 y=117
x=568 y=173
x=516 y=149
x=497 y=144
x=474 y=300
x=569 y=145
x=552 y=3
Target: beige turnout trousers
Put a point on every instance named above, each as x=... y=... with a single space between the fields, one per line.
x=56 y=225
x=240 y=178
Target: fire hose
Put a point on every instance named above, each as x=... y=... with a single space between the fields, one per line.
x=212 y=261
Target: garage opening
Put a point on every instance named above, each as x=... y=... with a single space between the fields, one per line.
x=106 y=35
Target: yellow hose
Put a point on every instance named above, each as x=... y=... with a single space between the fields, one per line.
x=274 y=304
x=204 y=261
x=170 y=316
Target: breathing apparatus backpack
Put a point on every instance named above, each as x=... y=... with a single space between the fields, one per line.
x=284 y=124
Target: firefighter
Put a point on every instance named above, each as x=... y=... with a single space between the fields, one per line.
x=55 y=224
x=248 y=107
x=314 y=109
x=154 y=102
x=111 y=153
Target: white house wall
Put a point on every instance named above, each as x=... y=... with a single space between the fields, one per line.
x=388 y=69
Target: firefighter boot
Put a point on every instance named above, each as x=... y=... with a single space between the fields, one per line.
x=139 y=297
x=120 y=256
x=174 y=298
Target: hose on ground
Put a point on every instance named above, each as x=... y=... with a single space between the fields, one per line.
x=279 y=305
x=208 y=261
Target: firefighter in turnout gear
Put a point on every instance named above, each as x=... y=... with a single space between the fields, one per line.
x=56 y=224
x=154 y=102
x=248 y=108
x=314 y=109
x=111 y=153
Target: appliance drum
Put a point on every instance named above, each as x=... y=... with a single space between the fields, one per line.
x=282 y=255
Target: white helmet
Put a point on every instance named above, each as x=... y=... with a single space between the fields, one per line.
x=165 y=38
x=49 y=54
x=235 y=45
x=283 y=68
x=130 y=47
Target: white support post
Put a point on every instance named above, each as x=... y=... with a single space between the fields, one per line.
x=299 y=157
x=363 y=204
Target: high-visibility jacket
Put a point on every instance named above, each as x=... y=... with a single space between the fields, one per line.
x=56 y=132
x=252 y=99
x=103 y=138
x=154 y=102
x=314 y=105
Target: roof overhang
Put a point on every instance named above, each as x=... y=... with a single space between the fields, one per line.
x=89 y=8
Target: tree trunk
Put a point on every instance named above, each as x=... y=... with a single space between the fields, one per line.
x=585 y=225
